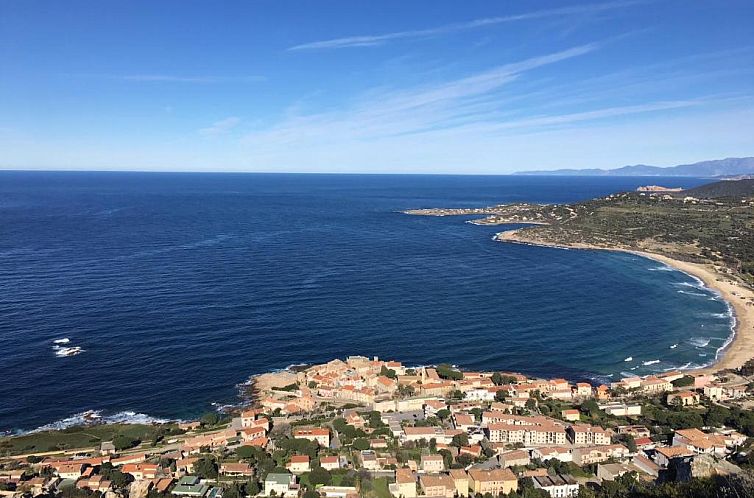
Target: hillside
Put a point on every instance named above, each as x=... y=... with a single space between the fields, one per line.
x=738 y=188
x=716 y=228
x=706 y=169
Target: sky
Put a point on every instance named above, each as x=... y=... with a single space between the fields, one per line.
x=352 y=86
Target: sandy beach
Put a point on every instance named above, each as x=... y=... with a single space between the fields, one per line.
x=731 y=290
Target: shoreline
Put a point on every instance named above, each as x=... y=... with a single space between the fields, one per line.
x=733 y=355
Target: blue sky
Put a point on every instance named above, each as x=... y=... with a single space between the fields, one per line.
x=364 y=86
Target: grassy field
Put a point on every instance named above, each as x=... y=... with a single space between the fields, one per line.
x=78 y=437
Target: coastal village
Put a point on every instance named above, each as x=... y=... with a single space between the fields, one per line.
x=374 y=428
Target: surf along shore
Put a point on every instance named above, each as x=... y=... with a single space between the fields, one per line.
x=737 y=295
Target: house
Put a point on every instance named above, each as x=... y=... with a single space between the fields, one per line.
x=714 y=392
x=432 y=463
x=664 y=455
x=329 y=462
x=514 y=458
x=555 y=452
x=369 y=460
x=136 y=458
x=570 y=415
x=162 y=484
x=682 y=398
x=463 y=421
x=461 y=481
x=493 y=481
x=438 y=485
x=426 y=433
x=557 y=486
x=281 y=484
x=186 y=465
x=353 y=418
x=299 y=464
x=651 y=385
x=602 y=392
x=190 y=486
x=700 y=442
x=583 y=390
x=611 y=471
x=318 y=434
x=378 y=443
x=236 y=469
x=338 y=491
x=636 y=431
x=405 y=484
x=583 y=434
x=141 y=471
x=598 y=454
x=644 y=443
x=621 y=409
x=107 y=448
x=95 y=483
x=69 y=471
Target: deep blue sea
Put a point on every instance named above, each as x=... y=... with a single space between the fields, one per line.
x=180 y=286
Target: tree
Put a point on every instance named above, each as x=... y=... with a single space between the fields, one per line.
x=123 y=442
x=311 y=494
x=447 y=457
x=500 y=395
x=206 y=467
x=361 y=444
x=445 y=371
x=443 y=414
x=388 y=372
x=460 y=440
x=120 y=479
x=531 y=404
x=497 y=378
x=686 y=380
x=210 y=419
x=318 y=475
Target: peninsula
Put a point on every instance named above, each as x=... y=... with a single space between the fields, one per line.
x=707 y=232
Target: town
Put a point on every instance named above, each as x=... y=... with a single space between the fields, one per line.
x=374 y=428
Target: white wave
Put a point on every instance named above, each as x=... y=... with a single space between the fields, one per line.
x=650 y=362
x=702 y=354
x=64 y=340
x=661 y=268
x=61 y=352
x=674 y=346
x=725 y=315
x=695 y=285
x=628 y=374
x=629 y=358
x=91 y=417
x=634 y=368
x=699 y=342
x=732 y=335
x=689 y=293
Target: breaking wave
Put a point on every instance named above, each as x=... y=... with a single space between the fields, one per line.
x=94 y=417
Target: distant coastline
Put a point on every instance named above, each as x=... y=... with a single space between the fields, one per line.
x=737 y=351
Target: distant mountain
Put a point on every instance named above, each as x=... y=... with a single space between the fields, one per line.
x=726 y=188
x=721 y=167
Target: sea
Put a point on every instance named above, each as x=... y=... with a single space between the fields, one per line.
x=177 y=287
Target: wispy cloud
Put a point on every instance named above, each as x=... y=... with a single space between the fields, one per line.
x=400 y=111
x=171 y=78
x=220 y=127
x=372 y=40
